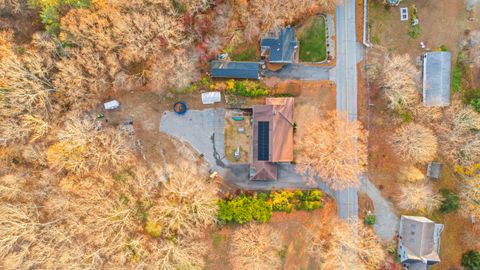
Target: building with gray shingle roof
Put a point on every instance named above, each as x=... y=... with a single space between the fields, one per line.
x=419 y=242
x=280 y=48
x=235 y=70
x=434 y=169
x=436 y=78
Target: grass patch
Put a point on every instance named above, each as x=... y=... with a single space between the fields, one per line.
x=247 y=54
x=313 y=44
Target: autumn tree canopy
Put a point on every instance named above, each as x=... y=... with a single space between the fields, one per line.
x=334 y=149
x=415 y=143
x=399 y=83
x=255 y=246
x=418 y=197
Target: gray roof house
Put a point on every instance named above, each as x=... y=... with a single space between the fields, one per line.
x=436 y=79
x=280 y=48
x=235 y=70
x=419 y=242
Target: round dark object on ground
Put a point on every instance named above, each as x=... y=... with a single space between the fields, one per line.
x=180 y=107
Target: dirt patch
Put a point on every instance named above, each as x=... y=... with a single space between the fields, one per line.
x=23 y=25
x=442 y=22
x=238 y=136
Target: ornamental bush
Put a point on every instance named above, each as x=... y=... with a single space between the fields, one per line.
x=471 y=260
x=245 y=208
x=450 y=202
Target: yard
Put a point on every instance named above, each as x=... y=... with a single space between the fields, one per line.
x=312 y=37
x=237 y=136
x=293 y=230
x=390 y=36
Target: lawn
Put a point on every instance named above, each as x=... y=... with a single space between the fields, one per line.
x=312 y=37
x=245 y=52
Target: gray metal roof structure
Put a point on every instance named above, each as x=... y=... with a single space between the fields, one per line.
x=235 y=70
x=419 y=242
x=281 y=47
x=436 y=78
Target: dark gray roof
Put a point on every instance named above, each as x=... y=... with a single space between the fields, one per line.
x=280 y=47
x=436 y=78
x=235 y=70
x=433 y=170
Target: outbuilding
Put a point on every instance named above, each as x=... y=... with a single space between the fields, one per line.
x=437 y=79
x=235 y=70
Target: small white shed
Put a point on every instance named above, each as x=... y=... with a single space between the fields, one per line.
x=211 y=97
x=111 y=105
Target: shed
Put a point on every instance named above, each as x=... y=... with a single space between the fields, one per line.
x=235 y=70
x=111 y=105
x=436 y=79
x=280 y=47
x=433 y=170
x=211 y=97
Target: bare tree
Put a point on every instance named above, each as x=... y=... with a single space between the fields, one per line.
x=334 y=149
x=415 y=143
x=255 y=246
x=399 y=83
x=26 y=102
x=418 y=197
x=353 y=246
x=82 y=147
x=470 y=197
x=187 y=203
x=459 y=136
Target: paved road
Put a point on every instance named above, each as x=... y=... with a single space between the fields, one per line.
x=346 y=79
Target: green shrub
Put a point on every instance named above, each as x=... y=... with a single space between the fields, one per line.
x=243 y=209
x=475 y=103
x=470 y=94
x=457 y=77
x=51 y=11
x=205 y=81
x=153 y=229
x=370 y=219
x=413 y=30
x=247 y=89
x=471 y=260
x=450 y=202
x=407 y=117
x=443 y=48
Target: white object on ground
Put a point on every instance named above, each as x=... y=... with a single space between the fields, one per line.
x=404 y=14
x=422 y=45
x=211 y=97
x=111 y=105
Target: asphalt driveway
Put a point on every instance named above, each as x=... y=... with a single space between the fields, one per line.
x=204 y=130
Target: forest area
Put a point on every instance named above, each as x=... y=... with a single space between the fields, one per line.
x=78 y=193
